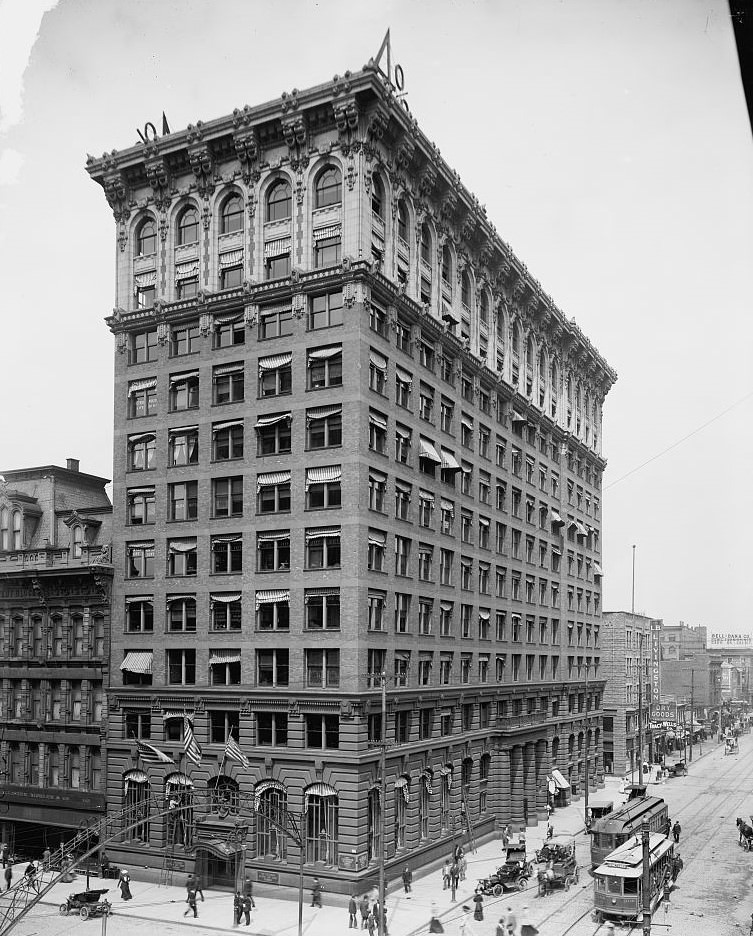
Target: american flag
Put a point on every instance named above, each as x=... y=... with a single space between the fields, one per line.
x=234 y=753
x=190 y=744
x=151 y=755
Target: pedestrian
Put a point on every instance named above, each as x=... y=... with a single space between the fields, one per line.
x=454 y=879
x=505 y=836
x=676 y=829
x=124 y=883
x=478 y=899
x=46 y=856
x=364 y=908
x=446 y=875
x=246 y=904
x=407 y=879
x=458 y=852
x=526 y=927
x=464 y=921
x=191 y=901
x=352 y=912
x=248 y=891
x=8 y=876
x=192 y=883
x=435 y=925
x=462 y=866
x=5 y=853
x=30 y=876
x=371 y=923
x=237 y=908
x=510 y=921
x=316 y=893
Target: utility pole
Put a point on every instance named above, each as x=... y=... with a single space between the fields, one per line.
x=383 y=804
x=640 y=708
x=692 y=675
x=646 y=841
x=588 y=722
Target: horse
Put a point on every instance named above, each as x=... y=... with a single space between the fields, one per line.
x=746 y=834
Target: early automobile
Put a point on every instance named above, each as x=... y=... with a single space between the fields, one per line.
x=88 y=903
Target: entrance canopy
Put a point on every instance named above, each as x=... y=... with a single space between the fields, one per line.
x=219 y=847
x=559 y=780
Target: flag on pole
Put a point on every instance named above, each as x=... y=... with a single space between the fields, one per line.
x=151 y=755
x=234 y=753
x=190 y=744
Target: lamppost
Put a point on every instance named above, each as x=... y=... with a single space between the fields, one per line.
x=237 y=836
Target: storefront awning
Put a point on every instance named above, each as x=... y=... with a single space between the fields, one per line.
x=559 y=780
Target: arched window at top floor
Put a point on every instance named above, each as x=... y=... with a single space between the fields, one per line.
x=279 y=201
x=232 y=215
x=17 y=538
x=146 y=238
x=188 y=226
x=403 y=222
x=328 y=189
x=446 y=265
x=377 y=197
x=465 y=290
x=4 y=529
x=426 y=244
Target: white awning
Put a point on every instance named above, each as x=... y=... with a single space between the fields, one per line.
x=581 y=530
x=484 y=615
x=403 y=376
x=275 y=361
x=227 y=319
x=140 y=490
x=484 y=521
x=272 y=420
x=181 y=546
x=134 y=776
x=448 y=506
x=331 y=230
x=170 y=598
x=517 y=418
x=403 y=486
x=559 y=780
x=148 y=384
x=404 y=434
x=597 y=569
x=323 y=475
x=449 y=462
x=321 y=593
x=262 y=786
x=230 y=538
x=323 y=533
x=426 y=450
x=178 y=780
x=186 y=270
x=556 y=519
x=272 y=596
x=378 y=361
x=272 y=478
x=324 y=354
x=277 y=248
x=138 y=662
x=226 y=598
x=132 y=440
x=182 y=430
x=142 y=280
x=426 y=496
x=231 y=258
x=377 y=538
x=323 y=412
x=273 y=536
x=467 y=422
x=219 y=657
x=318 y=789
x=376 y=420
x=133 y=599
x=179 y=379
x=227 y=369
x=226 y=425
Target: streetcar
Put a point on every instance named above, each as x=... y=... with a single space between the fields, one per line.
x=617 y=827
x=618 y=882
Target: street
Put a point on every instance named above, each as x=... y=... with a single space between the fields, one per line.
x=712 y=895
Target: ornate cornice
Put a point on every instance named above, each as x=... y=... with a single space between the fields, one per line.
x=201 y=159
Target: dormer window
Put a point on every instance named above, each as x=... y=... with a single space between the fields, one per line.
x=11 y=526
x=77 y=542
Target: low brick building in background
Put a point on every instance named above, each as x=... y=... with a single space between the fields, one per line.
x=55 y=581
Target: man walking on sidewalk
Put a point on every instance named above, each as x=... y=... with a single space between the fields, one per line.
x=352 y=912
x=191 y=901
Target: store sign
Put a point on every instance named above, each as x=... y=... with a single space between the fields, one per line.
x=721 y=641
x=664 y=712
x=655 y=692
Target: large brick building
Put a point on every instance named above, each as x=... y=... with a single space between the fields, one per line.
x=353 y=435
x=55 y=579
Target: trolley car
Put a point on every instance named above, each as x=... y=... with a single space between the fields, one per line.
x=618 y=883
x=620 y=825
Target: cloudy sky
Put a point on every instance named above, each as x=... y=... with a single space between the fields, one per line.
x=608 y=140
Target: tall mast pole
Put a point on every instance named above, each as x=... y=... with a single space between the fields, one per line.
x=383 y=804
x=640 y=708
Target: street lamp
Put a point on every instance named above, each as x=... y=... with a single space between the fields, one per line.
x=237 y=837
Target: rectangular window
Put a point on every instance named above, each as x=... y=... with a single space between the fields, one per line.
x=324 y=427
x=402 y=555
x=322 y=609
x=275 y=375
x=272 y=667
x=323 y=487
x=323 y=668
x=181 y=557
x=377 y=372
x=143 y=346
x=323 y=731
x=140 y=506
x=183 y=446
x=183 y=500
x=141 y=450
x=227 y=497
x=227 y=553
x=403 y=387
x=445 y=618
x=426 y=402
x=140 y=560
x=272 y=729
x=273 y=435
x=426 y=353
x=325 y=367
x=275 y=323
x=378 y=320
x=139 y=615
x=227 y=440
x=180 y=666
x=402 y=613
x=273 y=492
x=222 y=724
x=226 y=611
x=425 y=561
x=425 y=614
x=403 y=438
x=181 y=614
x=377 y=432
x=376 y=613
x=184 y=392
x=327 y=250
x=185 y=339
x=403 y=336
x=325 y=311
x=446 y=558
x=377 y=489
x=273 y=610
x=228 y=334
x=377 y=544
x=273 y=551
x=228 y=384
x=142 y=398
x=426 y=724
x=137 y=724
x=323 y=548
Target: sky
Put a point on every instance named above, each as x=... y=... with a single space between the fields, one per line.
x=608 y=140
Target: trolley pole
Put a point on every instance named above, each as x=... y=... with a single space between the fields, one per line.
x=640 y=707
x=645 y=838
x=692 y=675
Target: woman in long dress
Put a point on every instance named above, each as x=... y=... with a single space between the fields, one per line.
x=478 y=899
x=124 y=883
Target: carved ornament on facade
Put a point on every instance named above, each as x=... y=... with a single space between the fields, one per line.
x=122 y=236
x=164 y=227
x=39 y=592
x=351 y=173
x=200 y=159
x=205 y=324
x=158 y=177
x=298 y=305
x=247 y=149
x=251 y=315
x=294 y=709
x=294 y=131
x=403 y=153
x=121 y=342
x=163 y=333
x=300 y=186
x=427 y=179
x=377 y=123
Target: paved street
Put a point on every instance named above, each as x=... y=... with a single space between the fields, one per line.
x=713 y=896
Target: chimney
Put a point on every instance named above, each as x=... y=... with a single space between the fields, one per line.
x=72 y=464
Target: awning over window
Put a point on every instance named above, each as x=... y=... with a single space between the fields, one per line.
x=467 y=422
x=427 y=776
x=149 y=599
x=263 y=421
x=226 y=425
x=318 y=789
x=148 y=384
x=231 y=258
x=323 y=475
x=138 y=662
x=230 y=538
x=448 y=315
x=178 y=780
x=227 y=319
x=376 y=420
x=559 y=780
x=324 y=354
x=321 y=593
x=403 y=376
x=272 y=478
x=176 y=713
x=484 y=615
x=378 y=361
x=484 y=521
x=402 y=486
x=323 y=533
x=446 y=605
x=272 y=596
x=403 y=784
x=448 y=506
x=140 y=490
x=182 y=430
x=219 y=657
x=144 y=437
x=597 y=569
x=142 y=280
x=426 y=496
x=273 y=536
x=227 y=369
x=323 y=412
x=404 y=434
x=580 y=529
x=275 y=361
x=171 y=598
x=182 y=546
x=134 y=776
x=277 y=248
x=186 y=270
x=517 y=418
x=179 y=379
x=262 y=786
x=426 y=450
x=449 y=462
x=147 y=548
x=556 y=519
x=227 y=598
x=377 y=538
x=331 y=230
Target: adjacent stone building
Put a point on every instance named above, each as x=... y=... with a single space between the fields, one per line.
x=55 y=581
x=625 y=650
x=353 y=436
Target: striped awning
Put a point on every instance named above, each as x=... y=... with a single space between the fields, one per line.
x=449 y=462
x=330 y=230
x=146 y=544
x=138 y=662
x=272 y=478
x=322 y=475
x=231 y=258
x=323 y=412
x=321 y=593
x=580 y=529
x=228 y=369
x=142 y=280
x=230 y=538
x=132 y=440
x=324 y=354
x=375 y=419
x=179 y=379
x=226 y=425
x=170 y=598
x=132 y=599
x=426 y=496
x=403 y=376
x=377 y=538
x=178 y=780
x=277 y=248
x=275 y=361
x=318 y=789
x=186 y=270
x=176 y=713
x=427 y=776
x=426 y=450
x=272 y=596
x=134 y=776
x=262 y=786
x=181 y=546
x=225 y=598
x=227 y=319
x=219 y=657
x=403 y=784
x=378 y=361
x=272 y=420
x=148 y=384
x=323 y=533
x=273 y=536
